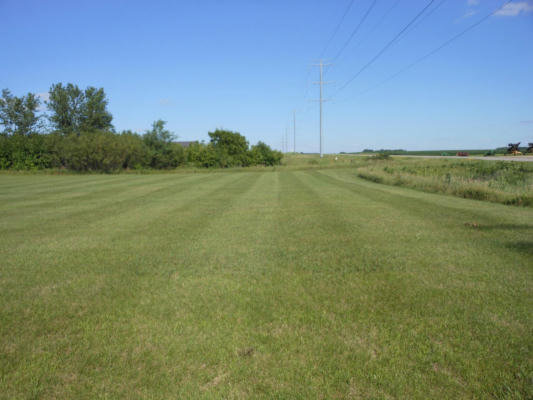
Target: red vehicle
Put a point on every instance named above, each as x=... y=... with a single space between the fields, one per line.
x=462 y=154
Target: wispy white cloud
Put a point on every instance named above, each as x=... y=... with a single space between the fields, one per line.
x=471 y=4
x=469 y=13
x=165 y=102
x=44 y=96
x=514 y=9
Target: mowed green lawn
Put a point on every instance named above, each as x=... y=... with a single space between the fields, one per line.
x=276 y=284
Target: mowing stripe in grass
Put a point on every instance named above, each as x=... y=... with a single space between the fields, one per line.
x=59 y=195
x=501 y=282
x=437 y=211
x=290 y=284
x=136 y=192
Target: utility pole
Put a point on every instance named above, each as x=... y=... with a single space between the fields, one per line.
x=285 y=141
x=294 y=130
x=321 y=83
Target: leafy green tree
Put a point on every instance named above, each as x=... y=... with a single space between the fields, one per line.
x=158 y=137
x=231 y=148
x=74 y=110
x=163 y=152
x=65 y=104
x=94 y=110
x=19 y=115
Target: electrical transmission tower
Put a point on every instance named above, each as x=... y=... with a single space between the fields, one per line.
x=321 y=82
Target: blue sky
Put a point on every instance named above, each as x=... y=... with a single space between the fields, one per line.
x=245 y=65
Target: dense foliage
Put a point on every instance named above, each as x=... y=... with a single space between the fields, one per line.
x=75 y=111
x=19 y=115
x=79 y=136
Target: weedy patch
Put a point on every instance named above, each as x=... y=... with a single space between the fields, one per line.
x=500 y=182
x=246 y=352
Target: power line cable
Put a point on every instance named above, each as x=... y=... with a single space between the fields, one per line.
x=376 y=25
x=437 y=49
x=354 y=32
x=413 y=27
x=335 y=31
x=380 y=21
x=337 y=28
x=429 y=13
x=385 y=48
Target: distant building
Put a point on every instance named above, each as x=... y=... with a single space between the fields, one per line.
x=187 y=144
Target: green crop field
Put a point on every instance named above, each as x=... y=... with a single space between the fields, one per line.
x=287 y=284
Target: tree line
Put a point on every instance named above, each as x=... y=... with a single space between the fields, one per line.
x=73 y=130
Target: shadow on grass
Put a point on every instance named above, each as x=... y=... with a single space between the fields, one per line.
x=524 y=247
x=510 y=227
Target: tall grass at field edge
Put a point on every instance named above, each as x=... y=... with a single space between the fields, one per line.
x=504 y=183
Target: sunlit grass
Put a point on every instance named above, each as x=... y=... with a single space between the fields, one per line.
x=260 y=284
x=497 y=181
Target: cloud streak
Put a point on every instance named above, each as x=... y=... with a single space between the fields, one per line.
x=469 y=13
x=514 y=9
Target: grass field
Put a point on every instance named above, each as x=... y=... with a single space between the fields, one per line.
x=287 y=284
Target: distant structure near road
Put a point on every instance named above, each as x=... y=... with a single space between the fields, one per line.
x=186 y=144
x=530 y=148
x=513 y=149
x=462 y=154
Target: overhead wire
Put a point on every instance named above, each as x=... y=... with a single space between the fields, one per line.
x=386 y=47
x=437 y=49
x=413 y=27
x=380 y=21
x=335 y=31
x=374 y=27
x=428 y=14
x=355 y=30
x=337 y=28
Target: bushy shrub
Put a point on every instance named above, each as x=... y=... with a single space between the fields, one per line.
x=163 y=153
x=380 y=156
x=83 y=138
x=136 y=152
x=22 y=152
x=231 y=148
x=201 y=155
x=262 y=154
x=93 y=151
x=107 y=151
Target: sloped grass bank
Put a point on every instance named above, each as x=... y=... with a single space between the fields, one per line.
x=498 y=182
